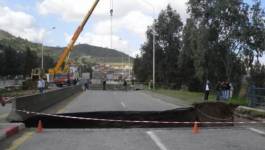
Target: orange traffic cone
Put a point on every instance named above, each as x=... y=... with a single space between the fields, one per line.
x=39 y=127
x=195 y=128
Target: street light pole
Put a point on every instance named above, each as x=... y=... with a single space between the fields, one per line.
x=154 y=34
x=154 y=57
x=42 y=46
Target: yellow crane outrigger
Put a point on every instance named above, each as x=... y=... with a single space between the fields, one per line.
x=62 y=63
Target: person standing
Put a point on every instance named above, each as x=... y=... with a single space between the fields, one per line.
x=227 y=90
x=207 y=90
x=43 y=85
x=231 y=89
x=87 y=84
x=40 y=85
x=125 y=85
x=104 y=84
x=219 y=91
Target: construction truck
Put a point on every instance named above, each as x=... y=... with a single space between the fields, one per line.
x=64 y=72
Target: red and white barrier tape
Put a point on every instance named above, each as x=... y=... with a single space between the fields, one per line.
x=136 y=121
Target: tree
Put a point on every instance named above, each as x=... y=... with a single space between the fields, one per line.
x=48 y=62
x=168 y=29
x=31 y=61
x=258 y=74
x=10 y=62
x=255 y=34
x=186 y=58
x=219 y=39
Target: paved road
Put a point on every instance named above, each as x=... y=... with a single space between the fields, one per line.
x=4 y=110
x=234 y=138
x=117 y=101
x=141 y=139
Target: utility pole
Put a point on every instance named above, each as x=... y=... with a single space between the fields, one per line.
x=154 y=34
x=154 y=82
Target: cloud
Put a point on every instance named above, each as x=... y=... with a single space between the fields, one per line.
x=71 y=10
x=128 y=22
x=19 y=24
x=131 y=18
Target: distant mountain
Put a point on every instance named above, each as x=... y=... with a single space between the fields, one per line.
x=97 y=54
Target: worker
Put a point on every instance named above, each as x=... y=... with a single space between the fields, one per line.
x=104 y=84
x=43 y=84
x=125 y=85
x=87 y=84
x=207 y=90
x=40 y=85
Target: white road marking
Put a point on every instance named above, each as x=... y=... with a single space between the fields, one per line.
x=257 y=131
x=123 y=105
x=156 y=139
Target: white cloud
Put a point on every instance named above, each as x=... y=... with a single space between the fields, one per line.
x=131 y=18
x=19 y=24
x=128 y=22
x=74 y=9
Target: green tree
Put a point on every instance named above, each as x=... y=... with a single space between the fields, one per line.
x=31 y=61
x=10 y=62
x=258 y=74
x=168 y=29
x=255 y=34
x=219 y=39
x=186 y=57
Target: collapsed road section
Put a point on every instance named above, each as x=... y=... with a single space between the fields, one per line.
x=181 y=117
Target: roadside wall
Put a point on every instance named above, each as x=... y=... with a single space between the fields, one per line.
x=39 y=102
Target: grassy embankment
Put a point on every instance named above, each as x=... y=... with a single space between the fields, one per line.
x=193 y=97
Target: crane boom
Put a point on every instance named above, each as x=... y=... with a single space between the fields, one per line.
x=68 y=49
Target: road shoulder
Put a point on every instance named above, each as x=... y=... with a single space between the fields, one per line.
x=168 y=99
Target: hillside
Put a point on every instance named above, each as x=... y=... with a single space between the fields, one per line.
x=97 y=54
x=5 y=35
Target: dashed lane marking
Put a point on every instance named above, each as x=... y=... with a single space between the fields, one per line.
x=15 y=145
x=257 y=131
x=156 y=139
x=123 y=104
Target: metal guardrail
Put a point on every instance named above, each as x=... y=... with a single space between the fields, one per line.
x=256 y=97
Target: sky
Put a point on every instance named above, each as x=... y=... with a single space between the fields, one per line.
x=34 y=20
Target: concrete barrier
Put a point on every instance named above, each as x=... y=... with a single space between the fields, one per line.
x=39 y=102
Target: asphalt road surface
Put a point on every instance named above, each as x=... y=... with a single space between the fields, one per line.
x=116 y=101
x=4 y=110
x=229 y=138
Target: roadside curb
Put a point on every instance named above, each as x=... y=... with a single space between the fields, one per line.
x=250 y=113
x=10 y=129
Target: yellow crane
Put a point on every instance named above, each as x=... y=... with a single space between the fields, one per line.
x=62 y=64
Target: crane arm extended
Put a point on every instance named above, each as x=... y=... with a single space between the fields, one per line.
x=72 y=41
